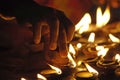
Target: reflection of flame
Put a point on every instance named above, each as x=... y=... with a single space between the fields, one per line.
x=91 y=37
x=72 y=62
x=41 y=77
x=113 y=38
x=23 y=79
x=102 y=19
x=90 y=69
x=103 y=52
x=72 y=50
x=117 y=57
x=58 y=71
x=83 y=24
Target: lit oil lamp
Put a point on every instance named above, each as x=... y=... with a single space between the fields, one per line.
x=89 y=49
x=99 y=50
x=90 y=74
x=53 y=70
x=107 y=66
x=51 y=73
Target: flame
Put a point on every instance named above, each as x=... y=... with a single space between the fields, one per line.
x=83 y=24
x=72 y=50
x=90 y=69
x=79 y=63
x=117 y=57
x=72 y=62
x=102 y=20
x=98 y=48
x=91 y=37
x=79 y=45
x=23 y=79
x=103 y=52
x=84 y=28
x=114 y=39
x=39 y=76
x=58 y=71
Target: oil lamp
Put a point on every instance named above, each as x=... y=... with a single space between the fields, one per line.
x=53 y=70
x=90 y=74
x=50 y=73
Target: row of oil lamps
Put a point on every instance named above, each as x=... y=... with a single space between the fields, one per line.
x=84 y=53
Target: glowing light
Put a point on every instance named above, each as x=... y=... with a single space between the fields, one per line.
x=91 y=37
x=23 y=79
x=58 y=70
x=90 y=69
x=114 y=39
x=83 y=24
x=102 y=20
x=117 y=57
x=79 y=45
x=41 y=77
x=72 y=50
x=71 y=60
x=103 y=52
x=98 y=48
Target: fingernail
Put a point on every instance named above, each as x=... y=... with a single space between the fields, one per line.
x=52 y=46
x=63 y=54
x=36 y=41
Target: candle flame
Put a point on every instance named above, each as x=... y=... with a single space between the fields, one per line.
x=117 y=57
x=39 y=76
x=91 y=37
x=114 y=39
x=58 y=70
x=23 y=78
x=102 y=20
x=72 y=50
x=71 y=60
x=83 y=24
x=90 y=69
x=103 y=52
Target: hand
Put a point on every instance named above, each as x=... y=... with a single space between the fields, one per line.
x=49 y=26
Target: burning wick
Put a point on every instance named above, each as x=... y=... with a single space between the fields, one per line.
x=91 y=74
x=99 y=51
x=54 y=70
x=41 y=77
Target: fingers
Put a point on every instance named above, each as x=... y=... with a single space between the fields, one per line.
x=62 y=43
x=69 y=30
x=69 y=27
x=37 y=31
x=54 y=30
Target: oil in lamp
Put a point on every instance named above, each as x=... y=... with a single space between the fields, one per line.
x=90 y=74
x=53 y=70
